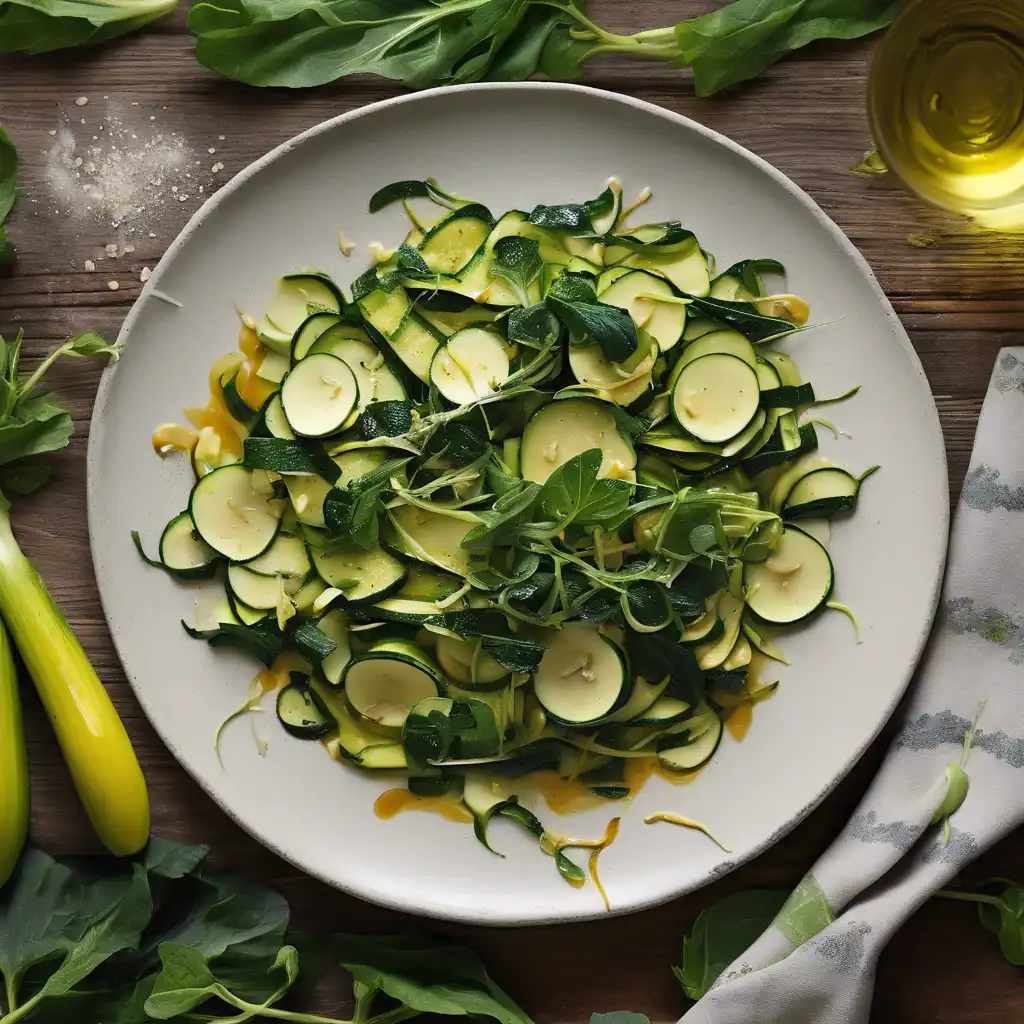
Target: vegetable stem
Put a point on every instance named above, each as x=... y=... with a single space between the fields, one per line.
x=970 y=897
x=92 y=738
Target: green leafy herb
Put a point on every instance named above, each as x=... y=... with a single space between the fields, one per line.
x=505 y=520
x=351 y=513
x=576 y=218
x=262 y=641
x=281 y=455
x=9 y=191
x=517 y=261
x=385 y=419
x=721 y=933
x=1001 y=909
x=27 y=26
x=656 y=656
x=422 y=44
x=608 y=326
x=467 y=729
x=573 y=493
x=745 y=318
x=517 y=653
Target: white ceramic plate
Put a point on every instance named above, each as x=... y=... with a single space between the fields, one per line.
x=514 y=146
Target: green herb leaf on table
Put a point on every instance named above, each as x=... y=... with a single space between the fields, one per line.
x=619 y=1017
x=721 y=933
x=9 y=191
x=34 y=27
x=573 y=493
x=1001 y=910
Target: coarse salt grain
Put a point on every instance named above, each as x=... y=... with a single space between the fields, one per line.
x=81 y=101
x=111 y=249
x=90 y=266
x=113 y=285
x=145 y=275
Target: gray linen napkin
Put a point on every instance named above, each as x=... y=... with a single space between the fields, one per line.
x=964 y=731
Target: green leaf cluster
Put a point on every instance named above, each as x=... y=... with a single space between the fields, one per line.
x=9 y=193
x=40 y=26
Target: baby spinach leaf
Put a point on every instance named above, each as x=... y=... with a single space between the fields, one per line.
x=1001 y=910
x=426 y=974
x=39 y=27
x=721 y=933
x=514 y=651
x=517 y=261
x=744 y=38
x=573 y=493
x=184 y=983
x=9 y=192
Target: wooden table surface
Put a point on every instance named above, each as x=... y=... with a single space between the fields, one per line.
x=960 y=299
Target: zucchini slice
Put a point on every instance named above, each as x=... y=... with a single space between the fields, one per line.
x=664 y=711
x=335 y=626
x=234 y=516
x=434 y=537
x=688 y=750
x=686 y=269
x=643 y=695
x=318 y=395
x=275 y=420
x=472 y=364
x=285 y=557
x=376 y=381
x=563 y=429
x=289 y=307
x=183 y=551
x=467 y=664
x=631 y=290
x=715 y=397
x=312 y=328
x=824 y=492
x=386 y=310
x=621 y=383
x=717 y=341
x=449 y=247
x=793 y=583
x=583 y=677
x=302 y=713
x=362 y=575
x=711 y=653
x=415 y=343
x=386 y=682
x=258 y=591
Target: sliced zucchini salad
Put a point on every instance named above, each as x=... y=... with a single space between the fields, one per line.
x=531 y=499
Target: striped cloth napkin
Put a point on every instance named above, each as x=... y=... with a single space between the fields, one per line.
x=958 y=756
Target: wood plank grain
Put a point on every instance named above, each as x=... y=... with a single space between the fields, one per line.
x=960 y=299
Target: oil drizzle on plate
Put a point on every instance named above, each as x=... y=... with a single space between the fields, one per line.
x=394 y=801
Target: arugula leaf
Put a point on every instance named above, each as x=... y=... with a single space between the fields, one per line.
x=746 y=37
x=573 y=493
x=517 y=261
x=516 y=652
x=721 y=933
x=28 y=26
x=262 y=641
x=9 y=192
x=427 y=975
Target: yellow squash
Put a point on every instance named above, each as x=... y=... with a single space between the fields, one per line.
x=13 y=765
x=92 y=738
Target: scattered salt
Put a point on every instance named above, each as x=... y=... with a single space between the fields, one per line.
x=90 y=266
x=212 y=150
x=220 y=138
x=81 y=101
x=111 y=249
x=113 y=285
x=145 y=275
x=127 y=249
x=217 y=167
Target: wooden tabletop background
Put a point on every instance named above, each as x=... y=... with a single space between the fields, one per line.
x=960 y=299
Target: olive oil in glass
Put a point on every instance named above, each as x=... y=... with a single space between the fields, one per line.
x=946 y=101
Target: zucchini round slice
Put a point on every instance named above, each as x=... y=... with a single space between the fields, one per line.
x=469 y=668
x=285 y=557
x=232 y=515
x=583 y=677
x=629 y=290
x=716 y=342
x=384 y=684
x=621 y=383
x=563 y=429
x=793 y=582
x=275 y=420
x=664 y=711
x=435 y=537
x=688 y=750
x=335 y=626
x=318 y=395
x=315 y=325
x=258 y=591
x=302 y=713
x=289 y=306
x=183 y=551
x=823 y=492
x=376 y=382
x=472 y=364
x=362 y=575
x=715 y=397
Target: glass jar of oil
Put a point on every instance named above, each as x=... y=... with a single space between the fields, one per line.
x=946 y=101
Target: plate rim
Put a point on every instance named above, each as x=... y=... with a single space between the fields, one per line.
x=482 y=915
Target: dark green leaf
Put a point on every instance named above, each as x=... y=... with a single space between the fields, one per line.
x=608 y=326
x=385 y=419
x=467 y=730
x=28 y=27
x=280 y=455
x=262 y=641
x=619 y=1017
x=745 y=318
x=514 y=811
x=742 y=39
x=655 y=656
x=514 y=651
x=721 y=933
x=535 y=326
x=426 y=974
x=454 y=444
x=168 y=859
x=396 y=192
x=1006 y=919
x=9 y=191
x=24 y=476
x=576 y=218
x=504 y=520
x=573 y=494
x=731 y=680
x=184 y=983
x=352 y=513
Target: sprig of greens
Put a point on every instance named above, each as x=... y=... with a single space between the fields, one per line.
x=39 y=26
x=9 y=193
x=420 y=43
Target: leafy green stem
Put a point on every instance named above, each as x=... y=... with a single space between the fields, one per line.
x=22 y=1011
x=970 y=897
x=262 y=1010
